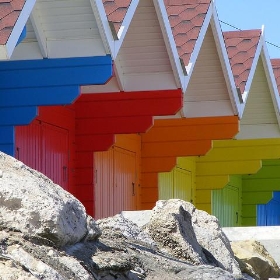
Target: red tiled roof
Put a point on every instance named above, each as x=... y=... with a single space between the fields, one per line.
x=116 y=11
x=186 y=18
x=9 y=13
x=241 y=48
x=276 y=70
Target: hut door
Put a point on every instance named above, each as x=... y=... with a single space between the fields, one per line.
x=56 y=153
x=115 y=182
x=269 y=214
x=176 y=184
x=44 y=147
x=225 y=206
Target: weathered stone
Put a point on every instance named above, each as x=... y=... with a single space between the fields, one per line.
x=171 y=228
x=46 y=234
x=118 y=224
x=194 y=233
x=247 y=269
x=11 y=271
x=31 y=203
x=211 y=237
x=254 y=253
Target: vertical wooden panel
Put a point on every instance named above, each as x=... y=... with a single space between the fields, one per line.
x=124 y=180
x=55 y=150
x=103 y=183
x=117 y=177
x=44 y=145
x=183 y=184
x=166 y=185
x=178 y=183
x=226 y=205
x=28 y=148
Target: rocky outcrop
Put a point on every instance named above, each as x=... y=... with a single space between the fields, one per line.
x=32 y=204
x=190 y=234
x=46 y=234
x=256 y=260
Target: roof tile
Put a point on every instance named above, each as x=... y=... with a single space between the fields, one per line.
x=241 y=48
x=276 y=70
x=9 y=13
x=116 y=11
x=186 y=18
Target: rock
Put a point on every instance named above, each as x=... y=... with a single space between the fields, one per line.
x=210 y=236
x=171 y=228
x=118 y=224
x=254 y=254
x=184 y=231
x=32 y=204
x=93 y=231
x=247 y=270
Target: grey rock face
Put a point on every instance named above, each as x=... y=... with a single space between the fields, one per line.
x=184 y=231
x=32 y=204
x=211 y=237
x=46 y=234
x=171 y=228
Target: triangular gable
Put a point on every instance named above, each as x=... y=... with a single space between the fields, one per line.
x=255 y=82
x=143 y=61
x=188 y=22
x=62 y=29
x=13 y=17
x=208 y=93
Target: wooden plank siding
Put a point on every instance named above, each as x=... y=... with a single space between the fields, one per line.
x=210 y=97
x=64 y=28
x=226 y=203
x=180 y=182
x=232 y=157
x=117 y=177
x=259 y=119
x=143 y=55
x=258 y=189
x=169 y=139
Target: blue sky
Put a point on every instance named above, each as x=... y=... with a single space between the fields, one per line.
x=252 y=14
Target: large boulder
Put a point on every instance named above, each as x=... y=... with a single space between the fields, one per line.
x=32 y=204
x=256 y=257
x=210 y=236
x=183 y=231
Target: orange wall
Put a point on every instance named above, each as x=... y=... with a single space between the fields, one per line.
x=172 y=138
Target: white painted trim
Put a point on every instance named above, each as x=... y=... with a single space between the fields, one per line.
x=18 y=27
x=222 y=51
x=125 y=25
x=170 y=43
x=103 y=26
x=252 y=73
x=119 y=73
x=39 y=32
x=271 y=80
x=112 y=46
x=198 y=45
